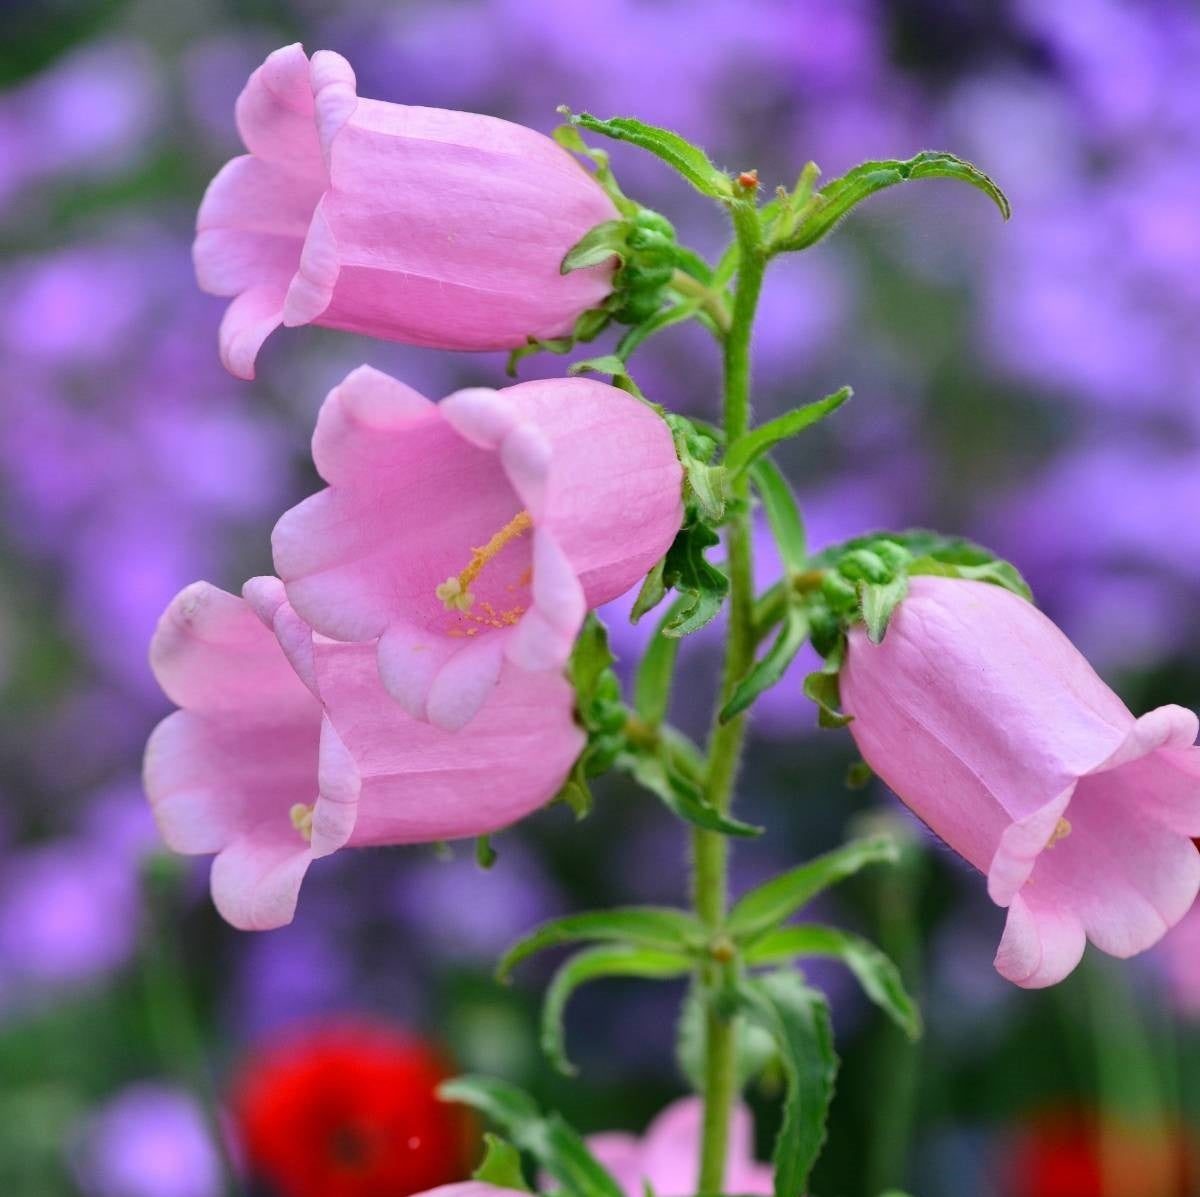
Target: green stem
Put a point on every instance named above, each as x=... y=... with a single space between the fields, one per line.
x=710 y=850
x=710 y=300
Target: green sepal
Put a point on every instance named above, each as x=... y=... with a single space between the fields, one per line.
x=607 y=960
x=782 y=512
x=689 y=160
x=608 y=363
x=823 y=688
x=700 y=584
x=588 y=326
x=995 y=571
x=485 y=854
x=569 y=138
x=558 y=1148
x=662 y=928
x=793 y=632
x=704 y=485
x=875 y=972
x=652 y=592
x=776 y=900
x=766 y=436
x=607 y=240
x=501 y=1165
x=879 y=600
x=811 y=221
x=797 y=1018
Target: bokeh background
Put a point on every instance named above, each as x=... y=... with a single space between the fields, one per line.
x=1035 y=385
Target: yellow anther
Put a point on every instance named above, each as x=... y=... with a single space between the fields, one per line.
x=1061 y=831
x=455 y=591
x=301 y=816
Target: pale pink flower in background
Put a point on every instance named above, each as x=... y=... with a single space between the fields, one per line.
x=667 y=1156
x=1178 y=956
x=287 y=748
x=475 y=531
x=436 y=228
x=992 y=727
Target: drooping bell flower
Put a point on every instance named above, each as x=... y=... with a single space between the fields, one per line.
x=287 y=748
x=666 y=1159
x=992 y=727
x=477 y=530
x=436 y=228
x=349 y=1110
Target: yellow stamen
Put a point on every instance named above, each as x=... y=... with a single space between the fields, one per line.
x=455 y=591
x=301 y=816
x=1061 y=831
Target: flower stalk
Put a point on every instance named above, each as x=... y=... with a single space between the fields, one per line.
x=710 y=850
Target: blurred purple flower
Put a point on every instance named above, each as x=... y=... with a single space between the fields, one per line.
x=150 y=1140
x=1178 y=959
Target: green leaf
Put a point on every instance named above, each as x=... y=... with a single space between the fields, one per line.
x=879 y=977
x=609 y=363
x=763 y=438
x=778 y=899
x=879 y=601
x=681 y=794
x=660 y=927
x=700 y=584
x=552 y=1143
x=783 y=515
x=597 y=245
x=833 y=201
x=608 y=960
x=823 y=689
x=652 y=683
x=793 y=632
x=688 y=159
x=798 y=1019
x=501 y=1165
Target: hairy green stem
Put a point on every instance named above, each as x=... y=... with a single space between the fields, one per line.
x=710 y=301
x=710 y=849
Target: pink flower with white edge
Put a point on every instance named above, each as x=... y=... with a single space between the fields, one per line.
x=994 y=730
x=286 y=748
x=436 y=228
x=477 y=530
x=667 y=1156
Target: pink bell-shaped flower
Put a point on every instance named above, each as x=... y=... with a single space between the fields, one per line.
x=666 y=1159
x=286 y=748
x=436 y=228
x=992 y=727
x=475 y=531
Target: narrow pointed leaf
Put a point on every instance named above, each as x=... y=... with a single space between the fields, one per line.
x=763 y=438
x=608 y=960
x=798 y=1019
x=783 y=515
x=501 y=1165
x=552 y=1143
x=682 y=795
x=875 y=972
x=833 y=201
x=688 y=159
x=793 y=632
x=660 y=927
x=778 y=899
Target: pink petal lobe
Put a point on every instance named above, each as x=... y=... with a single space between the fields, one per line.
x=247 y=323
x=463 y=684
x=1041 y=944
x=256 y=878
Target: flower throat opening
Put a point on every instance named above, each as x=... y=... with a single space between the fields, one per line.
x=455 y=592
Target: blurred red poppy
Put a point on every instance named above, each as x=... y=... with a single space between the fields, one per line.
x=1073 y=1154
x=349 y=1111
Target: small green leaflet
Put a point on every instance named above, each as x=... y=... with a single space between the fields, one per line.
x=832 y=202
x=689 y=160
x=778 y=899
x=607 y=960
x=875 y=972
x=763 y=438
x=660 y=927
x=501 y=1165
x=793 y=632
